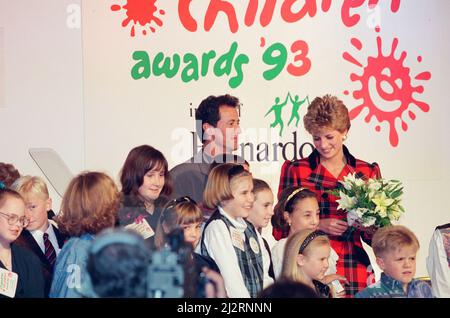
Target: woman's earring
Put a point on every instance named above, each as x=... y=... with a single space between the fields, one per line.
x=344 y=137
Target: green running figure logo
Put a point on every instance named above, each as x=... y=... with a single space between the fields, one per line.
x=278 y=108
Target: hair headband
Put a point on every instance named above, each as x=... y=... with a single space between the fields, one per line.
x=292 y=195
x=311 y=236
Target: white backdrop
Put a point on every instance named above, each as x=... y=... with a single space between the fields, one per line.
x=71 y=88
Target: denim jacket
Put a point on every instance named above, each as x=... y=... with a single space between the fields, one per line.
x=387 y=287
x=70 y=268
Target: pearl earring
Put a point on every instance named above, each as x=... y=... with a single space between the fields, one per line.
x=344 y=138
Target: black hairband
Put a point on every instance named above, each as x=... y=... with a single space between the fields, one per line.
x=235 y=170
x=311 y=236
x=171 y=204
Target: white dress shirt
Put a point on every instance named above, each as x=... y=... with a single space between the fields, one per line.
x=267 y=280
x=218 y=243
x=38 y=236
x=438 y=265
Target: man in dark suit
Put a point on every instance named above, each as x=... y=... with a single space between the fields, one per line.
x=41 y=236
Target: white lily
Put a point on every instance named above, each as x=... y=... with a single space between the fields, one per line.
x=346 y=202
x=374 y=185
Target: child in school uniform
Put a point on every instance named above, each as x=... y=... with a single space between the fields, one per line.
x=260 y=216
x=41 y=236
x=228 y=239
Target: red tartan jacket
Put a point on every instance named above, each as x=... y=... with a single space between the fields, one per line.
x=309 y=173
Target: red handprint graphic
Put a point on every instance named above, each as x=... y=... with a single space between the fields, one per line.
x=142 y=12
x=386 y=78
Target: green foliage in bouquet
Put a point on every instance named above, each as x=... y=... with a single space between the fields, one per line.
x=375 y=202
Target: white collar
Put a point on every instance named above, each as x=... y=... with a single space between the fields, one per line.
x=41 y=233
x=238 y=223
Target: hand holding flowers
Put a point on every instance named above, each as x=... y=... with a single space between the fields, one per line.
x=375 y=203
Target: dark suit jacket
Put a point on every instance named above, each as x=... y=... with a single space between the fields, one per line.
x=27 y=241
x=31 y=281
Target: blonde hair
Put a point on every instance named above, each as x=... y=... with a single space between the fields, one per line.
x=186 y=212
x=218 y=187
x=31 y=185
x=326 y=111
x=89 y=205
x=391 y=238
x=291 y=270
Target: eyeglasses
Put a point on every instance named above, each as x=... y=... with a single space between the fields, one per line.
x=13 y=219
x=235 y=170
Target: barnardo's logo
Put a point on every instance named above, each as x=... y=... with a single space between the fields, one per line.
x=277 y=109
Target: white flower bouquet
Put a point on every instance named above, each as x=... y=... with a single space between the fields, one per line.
x=372 y=203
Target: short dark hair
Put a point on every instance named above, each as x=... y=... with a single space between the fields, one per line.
x=139 y=161
x=285 y=288
x=208 y=111
x=117 y=265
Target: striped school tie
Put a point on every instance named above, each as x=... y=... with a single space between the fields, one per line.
x=50 y=252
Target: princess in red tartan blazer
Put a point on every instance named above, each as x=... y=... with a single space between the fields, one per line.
x=328 y=122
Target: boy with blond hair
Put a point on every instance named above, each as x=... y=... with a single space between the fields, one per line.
x=41 y=236
x=395 y=248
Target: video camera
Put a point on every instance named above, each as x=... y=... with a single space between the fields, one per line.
x=172 y=272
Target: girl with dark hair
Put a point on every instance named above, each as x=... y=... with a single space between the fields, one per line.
x=298 y=210
x=145 y=187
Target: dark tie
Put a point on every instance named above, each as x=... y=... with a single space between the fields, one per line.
x=50 y=252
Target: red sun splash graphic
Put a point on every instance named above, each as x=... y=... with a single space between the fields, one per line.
x=142 y=12
x=393 y=84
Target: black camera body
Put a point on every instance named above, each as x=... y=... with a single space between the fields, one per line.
x=172 y=272
x=165 y=275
